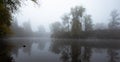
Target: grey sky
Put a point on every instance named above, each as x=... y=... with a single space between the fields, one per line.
x=50 y=11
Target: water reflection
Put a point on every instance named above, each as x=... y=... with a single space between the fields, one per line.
x=60 y=50
x=26 y=45
x=5 y=50
x=35 y=50
x=71 y=51
x=113 y=55
x=41 y=45
x=18 y=44
x=87 y=54
x=86 y=51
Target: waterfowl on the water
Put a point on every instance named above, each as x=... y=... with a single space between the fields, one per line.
x=24 y=45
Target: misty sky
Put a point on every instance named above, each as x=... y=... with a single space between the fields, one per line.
x=50 y=11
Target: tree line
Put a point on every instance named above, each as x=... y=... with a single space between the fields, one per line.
x=78 y=24
x=26 y=30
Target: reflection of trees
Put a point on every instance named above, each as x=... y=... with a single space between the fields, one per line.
x=70 y=51
x=5 y=49
x=27 y=49
x=75 y=52
x=15 y=51
x=19 y=44
x=65 y=54
x=87 y=54
x=41 y=45
x=113 y=55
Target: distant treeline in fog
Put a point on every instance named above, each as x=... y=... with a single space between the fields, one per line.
x=26 y=30
x=78 y=24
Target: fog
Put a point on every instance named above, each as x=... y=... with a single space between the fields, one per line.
x=50 y=11
x=59 y=31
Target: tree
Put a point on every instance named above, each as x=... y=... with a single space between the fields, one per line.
x=88 y=23
x=7 y=7
x=41 y=29
x=66 y=22
x=77 y=14
x=56 y=29
x=19 y=31
x=27 y=26
x=115 y=20
x=16 y=29
x=5 y=20
x=76 y=27
x=72 y=24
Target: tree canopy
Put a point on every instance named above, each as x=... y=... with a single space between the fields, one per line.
x=7 y=7
x=73 y=23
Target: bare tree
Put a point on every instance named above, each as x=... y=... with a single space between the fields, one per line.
x=115 y=20
x=88 y=23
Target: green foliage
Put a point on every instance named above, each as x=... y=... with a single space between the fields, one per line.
x=4 y=29
x=5 y=16
x=7 y=7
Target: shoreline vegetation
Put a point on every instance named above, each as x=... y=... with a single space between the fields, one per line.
x=7 y=9
x=79 y=25
x=100 y=34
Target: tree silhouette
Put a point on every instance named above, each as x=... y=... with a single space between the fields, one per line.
x=114 y=21
x=77 y=14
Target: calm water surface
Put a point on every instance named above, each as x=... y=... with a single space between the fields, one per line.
x=65 y=50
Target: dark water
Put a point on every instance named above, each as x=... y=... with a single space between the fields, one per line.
x=65 y=50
